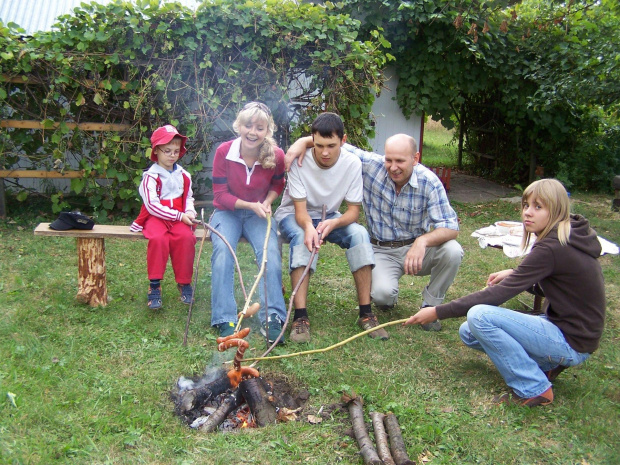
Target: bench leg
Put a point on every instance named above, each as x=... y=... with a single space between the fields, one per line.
x=92 y=289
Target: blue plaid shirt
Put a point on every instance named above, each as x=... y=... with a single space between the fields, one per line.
x=422 y=204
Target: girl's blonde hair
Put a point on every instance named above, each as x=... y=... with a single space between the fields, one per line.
x=551 y=193
x=267 y=153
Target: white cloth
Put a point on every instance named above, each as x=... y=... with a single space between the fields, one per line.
x=489 y=236
x=322 y=186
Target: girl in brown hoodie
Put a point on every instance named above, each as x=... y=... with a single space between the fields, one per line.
x=531 y=350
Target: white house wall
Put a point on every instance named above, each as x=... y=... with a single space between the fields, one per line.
x=389 y=118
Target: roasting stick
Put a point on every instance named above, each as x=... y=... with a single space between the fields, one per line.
x=325 y=349
x=191 y=304
x=258 y=277
x=207 y=226
x=290 y=303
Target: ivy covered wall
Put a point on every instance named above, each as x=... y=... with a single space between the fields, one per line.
x=138 y=66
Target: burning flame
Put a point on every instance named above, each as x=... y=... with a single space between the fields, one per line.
x=245 y=419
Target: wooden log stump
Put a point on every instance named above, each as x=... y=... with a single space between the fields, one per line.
x=92 y=289
x=261 y=402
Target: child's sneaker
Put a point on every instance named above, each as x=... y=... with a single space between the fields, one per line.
x=154 y=297
x=275 y=328
x=187 y=293
x=226 y=329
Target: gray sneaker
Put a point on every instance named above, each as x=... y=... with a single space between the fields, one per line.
x=300 y=330
x=432 y=326
x=370 y=321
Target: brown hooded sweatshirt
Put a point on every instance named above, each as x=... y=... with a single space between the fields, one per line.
x=569 y=277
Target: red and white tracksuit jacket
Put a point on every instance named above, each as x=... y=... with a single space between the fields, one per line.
x=166 y=196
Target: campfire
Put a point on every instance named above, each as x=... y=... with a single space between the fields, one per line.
x=237 y=398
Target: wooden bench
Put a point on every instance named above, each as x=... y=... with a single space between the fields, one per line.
x=92 y=286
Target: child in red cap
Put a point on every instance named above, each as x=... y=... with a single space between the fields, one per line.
x=166 y=215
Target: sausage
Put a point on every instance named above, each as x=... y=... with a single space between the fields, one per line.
x=251 y=311
x=238 y=335
x=236 y=376
x=233 y=343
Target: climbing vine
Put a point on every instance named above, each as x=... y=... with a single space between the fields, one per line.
x=141 y=65
x=531 y=82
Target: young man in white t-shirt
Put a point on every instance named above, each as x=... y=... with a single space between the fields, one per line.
x=327 y=178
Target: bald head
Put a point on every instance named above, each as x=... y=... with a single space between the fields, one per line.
x=401 y=155
x=401 y=143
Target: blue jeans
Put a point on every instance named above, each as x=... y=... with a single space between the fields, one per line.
x=233 y=225
x=521 y=346
x=353 y=237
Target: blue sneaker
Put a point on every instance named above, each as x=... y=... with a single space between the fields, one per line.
x=154 y=297
x=226 y=329
x=275 y=328
x=187 y=293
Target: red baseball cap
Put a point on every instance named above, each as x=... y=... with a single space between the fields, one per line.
x=163 y=135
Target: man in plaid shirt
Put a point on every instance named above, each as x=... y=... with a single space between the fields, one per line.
x=413 y=228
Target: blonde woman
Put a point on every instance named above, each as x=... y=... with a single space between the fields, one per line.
x=530 y=351
x=248 y=175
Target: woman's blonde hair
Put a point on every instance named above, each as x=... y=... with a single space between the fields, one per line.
x=551 y=193
x=267 y=153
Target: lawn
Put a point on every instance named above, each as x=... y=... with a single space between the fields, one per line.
x=439 y=146
x=92 y=385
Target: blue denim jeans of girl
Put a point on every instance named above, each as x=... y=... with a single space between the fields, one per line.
x=233 y=225
x=522 y=347
x=354 y=238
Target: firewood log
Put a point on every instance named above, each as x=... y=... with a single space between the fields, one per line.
x=369 y=454
x=230 y=403
x=261 y=405
x=397 y=444
x=381 y=439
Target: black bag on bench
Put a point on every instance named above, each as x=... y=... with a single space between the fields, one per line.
x=72 y=220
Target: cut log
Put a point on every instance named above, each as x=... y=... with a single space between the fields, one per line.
x=397 y=444
x=381 y=439
x=92 y=288
x=369 y=454
x=230 y=403
x=261 y=402
x=201 y=394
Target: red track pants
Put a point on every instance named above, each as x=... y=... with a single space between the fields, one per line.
x=172 y=239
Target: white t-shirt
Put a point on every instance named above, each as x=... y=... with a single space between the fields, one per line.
x=322 y=186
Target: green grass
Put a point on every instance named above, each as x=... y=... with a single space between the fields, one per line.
x=93 y=385
x=439 y=146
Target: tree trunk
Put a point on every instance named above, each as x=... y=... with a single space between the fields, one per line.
x=397 y=444
x=259 y=400
x=92 y=288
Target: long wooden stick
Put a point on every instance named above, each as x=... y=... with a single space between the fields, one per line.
x=191 y=304
x=261 y=271
x=325 y=349
x=221 y=236
x=290 y=302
